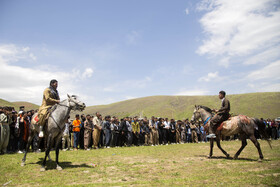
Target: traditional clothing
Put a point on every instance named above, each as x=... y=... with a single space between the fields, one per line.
x=50 y=98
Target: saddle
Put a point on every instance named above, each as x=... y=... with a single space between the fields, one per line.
x=220 y=126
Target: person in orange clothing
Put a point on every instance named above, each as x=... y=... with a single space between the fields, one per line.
x=76 y=130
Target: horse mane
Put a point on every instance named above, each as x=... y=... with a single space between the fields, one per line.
x=206 y=108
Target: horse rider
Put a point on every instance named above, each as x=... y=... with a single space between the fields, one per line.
x=50 y=98
x=221 y=115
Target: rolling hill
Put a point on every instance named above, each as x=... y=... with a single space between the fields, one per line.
x=266 y=105
x=16 y=105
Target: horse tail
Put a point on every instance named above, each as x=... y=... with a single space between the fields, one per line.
x=261 y=127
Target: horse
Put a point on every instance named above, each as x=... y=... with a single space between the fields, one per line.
x=242 y=125
x=54 y=127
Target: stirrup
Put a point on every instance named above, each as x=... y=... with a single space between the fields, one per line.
x=211 y=136
x=41 y=134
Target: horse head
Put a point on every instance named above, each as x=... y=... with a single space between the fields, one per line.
x=196 y=113
x=75 y=103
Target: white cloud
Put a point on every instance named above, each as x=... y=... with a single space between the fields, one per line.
x=130 y=97
x=32 y=56
x=192 y=92
x=187 y=11
x=27 y=83
x=87 y=73
x=270 y=72
x=240 y=28
x=210 y=77
x=264 y=57
x=25 y=49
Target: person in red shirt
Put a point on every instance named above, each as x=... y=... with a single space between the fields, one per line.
x=76 y=130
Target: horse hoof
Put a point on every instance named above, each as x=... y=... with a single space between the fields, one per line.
x=209 y=157
x=43 y=169
x=260 y=160
x=22 y=164
x=227 y=156
x=59 y=168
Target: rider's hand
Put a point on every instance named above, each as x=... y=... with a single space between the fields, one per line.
x=58 y=101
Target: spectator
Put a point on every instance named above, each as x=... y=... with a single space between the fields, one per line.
x=178 y=133
x=129 y=132
x=5 y=120
x=146 y=132
x=160 y=130
x=88 y=128
x=115 y=128
x=107 y=131
x=66 y=135
x=172 y=131
x=194 y=132
x=97 y=124
x=135 y=130
x=76 y=131
x=165 y=131
x=81 y=138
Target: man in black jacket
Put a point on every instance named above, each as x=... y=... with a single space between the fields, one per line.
x=123 y=130
x=221 y=115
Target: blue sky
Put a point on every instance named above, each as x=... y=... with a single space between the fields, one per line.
x=109 y=51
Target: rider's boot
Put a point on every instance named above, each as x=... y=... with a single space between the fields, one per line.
x=41 y=134
x=211 y=131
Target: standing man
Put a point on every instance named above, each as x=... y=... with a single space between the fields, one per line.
x=87 y=132
x=97 y=123
x=50 y=98
x=5 y=120
x=76 y=130
x=220 y=116
x=135 y=130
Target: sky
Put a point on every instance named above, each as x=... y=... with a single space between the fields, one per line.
x=109 y=51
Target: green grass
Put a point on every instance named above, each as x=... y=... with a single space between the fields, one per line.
x=180 y=164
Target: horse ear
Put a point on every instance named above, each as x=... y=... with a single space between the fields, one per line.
x=68 y=96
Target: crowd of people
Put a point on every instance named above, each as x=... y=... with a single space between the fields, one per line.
x=94 y=132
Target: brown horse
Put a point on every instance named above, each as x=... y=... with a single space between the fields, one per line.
x=242 y=125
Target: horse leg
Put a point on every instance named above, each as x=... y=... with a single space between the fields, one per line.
x=57 y=153
x=256 y=143
x=30 y=137
x=211 y=147
x=244 y=143
x=49 y=144
x=219 y=146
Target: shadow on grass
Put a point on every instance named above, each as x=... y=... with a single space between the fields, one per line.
x=230 y=158
x=65 y=165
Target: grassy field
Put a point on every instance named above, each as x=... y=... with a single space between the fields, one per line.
x=180 y=164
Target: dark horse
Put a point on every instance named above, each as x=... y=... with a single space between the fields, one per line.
x=54 y=127
x=242 y=125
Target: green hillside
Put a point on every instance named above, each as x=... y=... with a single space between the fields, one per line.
x=16 y=105
x=266 y=105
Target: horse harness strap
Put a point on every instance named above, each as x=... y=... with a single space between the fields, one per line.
x=56 y=123
x=207 y=120
x=55 y=120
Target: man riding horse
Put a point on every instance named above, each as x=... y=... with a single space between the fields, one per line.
x=50 y=98
x=221 y=115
